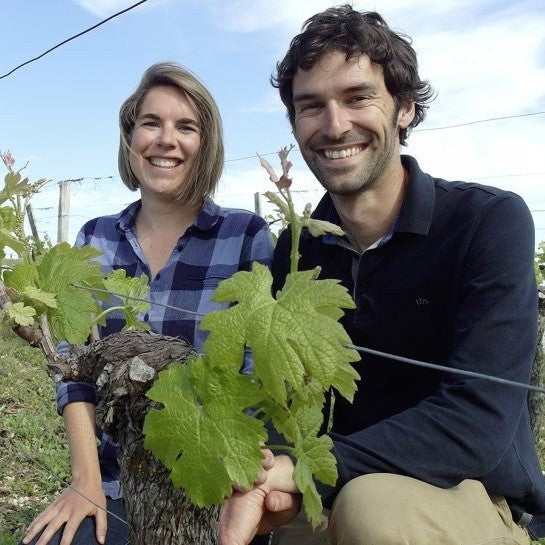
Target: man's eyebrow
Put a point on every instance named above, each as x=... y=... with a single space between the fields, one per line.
x=362 y=87
x=304 y=96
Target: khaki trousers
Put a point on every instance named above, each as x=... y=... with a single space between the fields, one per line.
x=386 y=509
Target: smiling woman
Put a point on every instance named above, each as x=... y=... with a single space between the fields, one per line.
x=171 y=151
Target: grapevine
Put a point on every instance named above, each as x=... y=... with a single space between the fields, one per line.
x=213 y=420
x=209 y=423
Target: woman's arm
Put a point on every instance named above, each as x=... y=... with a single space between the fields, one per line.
x=85 y=496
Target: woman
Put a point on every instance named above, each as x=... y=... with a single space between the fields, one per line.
x=171 y=150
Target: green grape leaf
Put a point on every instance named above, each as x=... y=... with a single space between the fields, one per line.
x=319 y=228
x=21 y=314
x=7 y=239
x=314 y=460
x=8 y=218
x=21 y=276
x=59 y=270
x=298 y=331
x=125 y=289
x=37 y=296
x=13 y=185
x=203 y=434
x=278 y=202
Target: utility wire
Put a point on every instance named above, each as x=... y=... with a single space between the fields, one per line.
x=72 y=38
x=478 y=121
x=453 y=370
x=415 y=130
x=364 y=349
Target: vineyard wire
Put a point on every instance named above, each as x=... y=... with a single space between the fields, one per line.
x=418 y=363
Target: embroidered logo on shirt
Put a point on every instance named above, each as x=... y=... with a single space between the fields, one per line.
x=422 y=301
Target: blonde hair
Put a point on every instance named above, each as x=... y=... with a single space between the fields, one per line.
x=208 y=165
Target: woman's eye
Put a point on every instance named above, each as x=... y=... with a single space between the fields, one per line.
x=187 y=128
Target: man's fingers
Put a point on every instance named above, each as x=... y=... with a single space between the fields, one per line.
x=268 y=460
x=276 y=501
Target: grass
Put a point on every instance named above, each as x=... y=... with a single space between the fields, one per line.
x=32 y=440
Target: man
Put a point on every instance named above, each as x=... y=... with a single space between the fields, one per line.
x=441 y=272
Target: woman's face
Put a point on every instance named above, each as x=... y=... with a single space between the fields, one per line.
x=164 y=142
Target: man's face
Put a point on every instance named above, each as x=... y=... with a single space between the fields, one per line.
x=347 y=123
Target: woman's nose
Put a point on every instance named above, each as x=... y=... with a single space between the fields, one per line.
x=167 y=136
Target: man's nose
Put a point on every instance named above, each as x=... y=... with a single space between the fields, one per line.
x=335 y=121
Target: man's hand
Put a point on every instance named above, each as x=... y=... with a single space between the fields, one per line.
x=70 y=508
x=262 y=509
x=266 y=464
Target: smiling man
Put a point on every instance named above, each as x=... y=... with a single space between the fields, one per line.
x=440 y=271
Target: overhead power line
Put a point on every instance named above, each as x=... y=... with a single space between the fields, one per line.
x=72 y=38
x=479 y=121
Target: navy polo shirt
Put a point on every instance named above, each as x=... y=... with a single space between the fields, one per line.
x=453 y=285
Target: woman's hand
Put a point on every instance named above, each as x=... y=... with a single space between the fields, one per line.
x=70 y=508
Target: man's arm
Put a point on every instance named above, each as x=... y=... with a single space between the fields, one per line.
x=453 y=434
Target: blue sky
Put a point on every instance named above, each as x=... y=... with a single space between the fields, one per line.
x=485 y=58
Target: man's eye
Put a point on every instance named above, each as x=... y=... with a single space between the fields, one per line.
x=150 y=123
x=358 y=98
x=310 y=106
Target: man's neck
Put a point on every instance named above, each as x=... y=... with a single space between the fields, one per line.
x=370 y=215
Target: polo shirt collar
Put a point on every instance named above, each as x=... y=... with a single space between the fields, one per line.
x=416 y=212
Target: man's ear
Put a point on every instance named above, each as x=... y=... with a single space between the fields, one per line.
x=405 y=114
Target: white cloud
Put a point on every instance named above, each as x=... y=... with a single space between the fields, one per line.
x=105 y=8
x=256 y=15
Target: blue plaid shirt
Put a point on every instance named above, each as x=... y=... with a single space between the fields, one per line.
x=221 y=242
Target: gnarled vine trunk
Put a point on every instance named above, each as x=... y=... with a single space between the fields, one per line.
x=124 y=366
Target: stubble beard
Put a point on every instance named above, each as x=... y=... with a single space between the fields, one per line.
x=353 y=181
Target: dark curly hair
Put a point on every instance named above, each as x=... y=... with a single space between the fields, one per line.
x=354 y=33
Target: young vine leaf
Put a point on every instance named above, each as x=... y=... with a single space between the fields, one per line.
x=49 y=285
x=128 y=291
x=298 y=331
x=203 y=434
x=21 y=314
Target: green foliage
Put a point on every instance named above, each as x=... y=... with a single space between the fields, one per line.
x=57 y=282
x=298 y=331
x=203 y=433
x=49 y=286
x=132 y=293
x=14 y=197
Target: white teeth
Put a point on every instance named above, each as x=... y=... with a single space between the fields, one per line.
x=342 y=153
x=165 y=163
